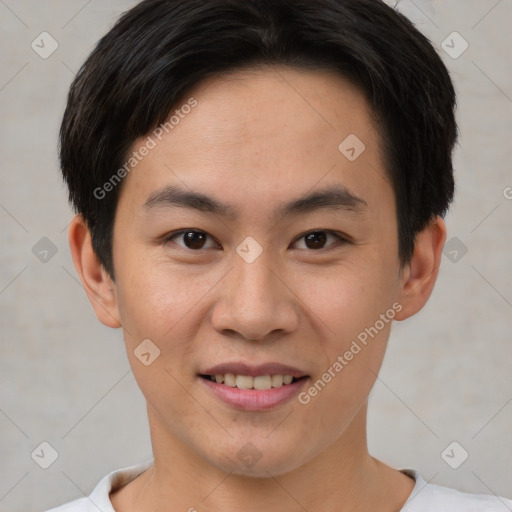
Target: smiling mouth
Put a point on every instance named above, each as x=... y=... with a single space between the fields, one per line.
x=260 y=382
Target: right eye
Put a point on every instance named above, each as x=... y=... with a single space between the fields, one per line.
x=192 y=239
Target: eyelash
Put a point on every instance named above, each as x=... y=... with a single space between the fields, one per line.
x=342 y=239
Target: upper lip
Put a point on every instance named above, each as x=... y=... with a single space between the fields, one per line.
x=239 y=368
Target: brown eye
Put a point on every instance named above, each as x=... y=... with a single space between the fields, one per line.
x=194 y=240
x=317 y=240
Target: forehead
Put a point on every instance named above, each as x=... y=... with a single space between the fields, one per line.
x=264 y=133
x=276 y=108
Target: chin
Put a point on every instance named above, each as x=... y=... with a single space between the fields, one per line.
x=255 y=461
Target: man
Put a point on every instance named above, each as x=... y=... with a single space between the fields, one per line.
x=260 y=188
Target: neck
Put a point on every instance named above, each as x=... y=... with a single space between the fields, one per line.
x=343 y=477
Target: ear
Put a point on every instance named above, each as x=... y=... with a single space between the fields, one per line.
x=420 y=274
x=97 y=283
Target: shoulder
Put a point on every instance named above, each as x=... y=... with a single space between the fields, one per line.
x=99 y=499
x=428 y=497
x=80 y=505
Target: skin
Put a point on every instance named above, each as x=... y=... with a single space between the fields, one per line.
x=257 y=139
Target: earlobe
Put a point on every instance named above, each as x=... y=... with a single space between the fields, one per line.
x=419 y=276
x=97 y=283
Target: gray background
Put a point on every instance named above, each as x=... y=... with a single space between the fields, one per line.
x=65 y=378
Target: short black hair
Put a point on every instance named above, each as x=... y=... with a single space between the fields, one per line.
x=144 y=66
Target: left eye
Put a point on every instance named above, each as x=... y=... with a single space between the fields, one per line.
x=192 y=239
x=317 y=240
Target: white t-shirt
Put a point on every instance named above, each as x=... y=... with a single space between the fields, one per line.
x=425 y=497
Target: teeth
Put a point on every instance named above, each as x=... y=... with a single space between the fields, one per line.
x=260 y=382
x=277 y=381
x=244 y=382
x=229 y=379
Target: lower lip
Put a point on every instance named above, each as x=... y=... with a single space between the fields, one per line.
x=254 y=399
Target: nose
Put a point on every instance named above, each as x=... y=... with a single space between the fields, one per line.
x=256 y=302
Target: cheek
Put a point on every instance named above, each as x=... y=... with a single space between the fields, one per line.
x=168 y=306
x=353 y=305
x=156 y=296
x=349 y=296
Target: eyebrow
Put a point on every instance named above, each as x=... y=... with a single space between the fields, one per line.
x=335 y=197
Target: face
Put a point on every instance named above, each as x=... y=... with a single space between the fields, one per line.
x=251 y=249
